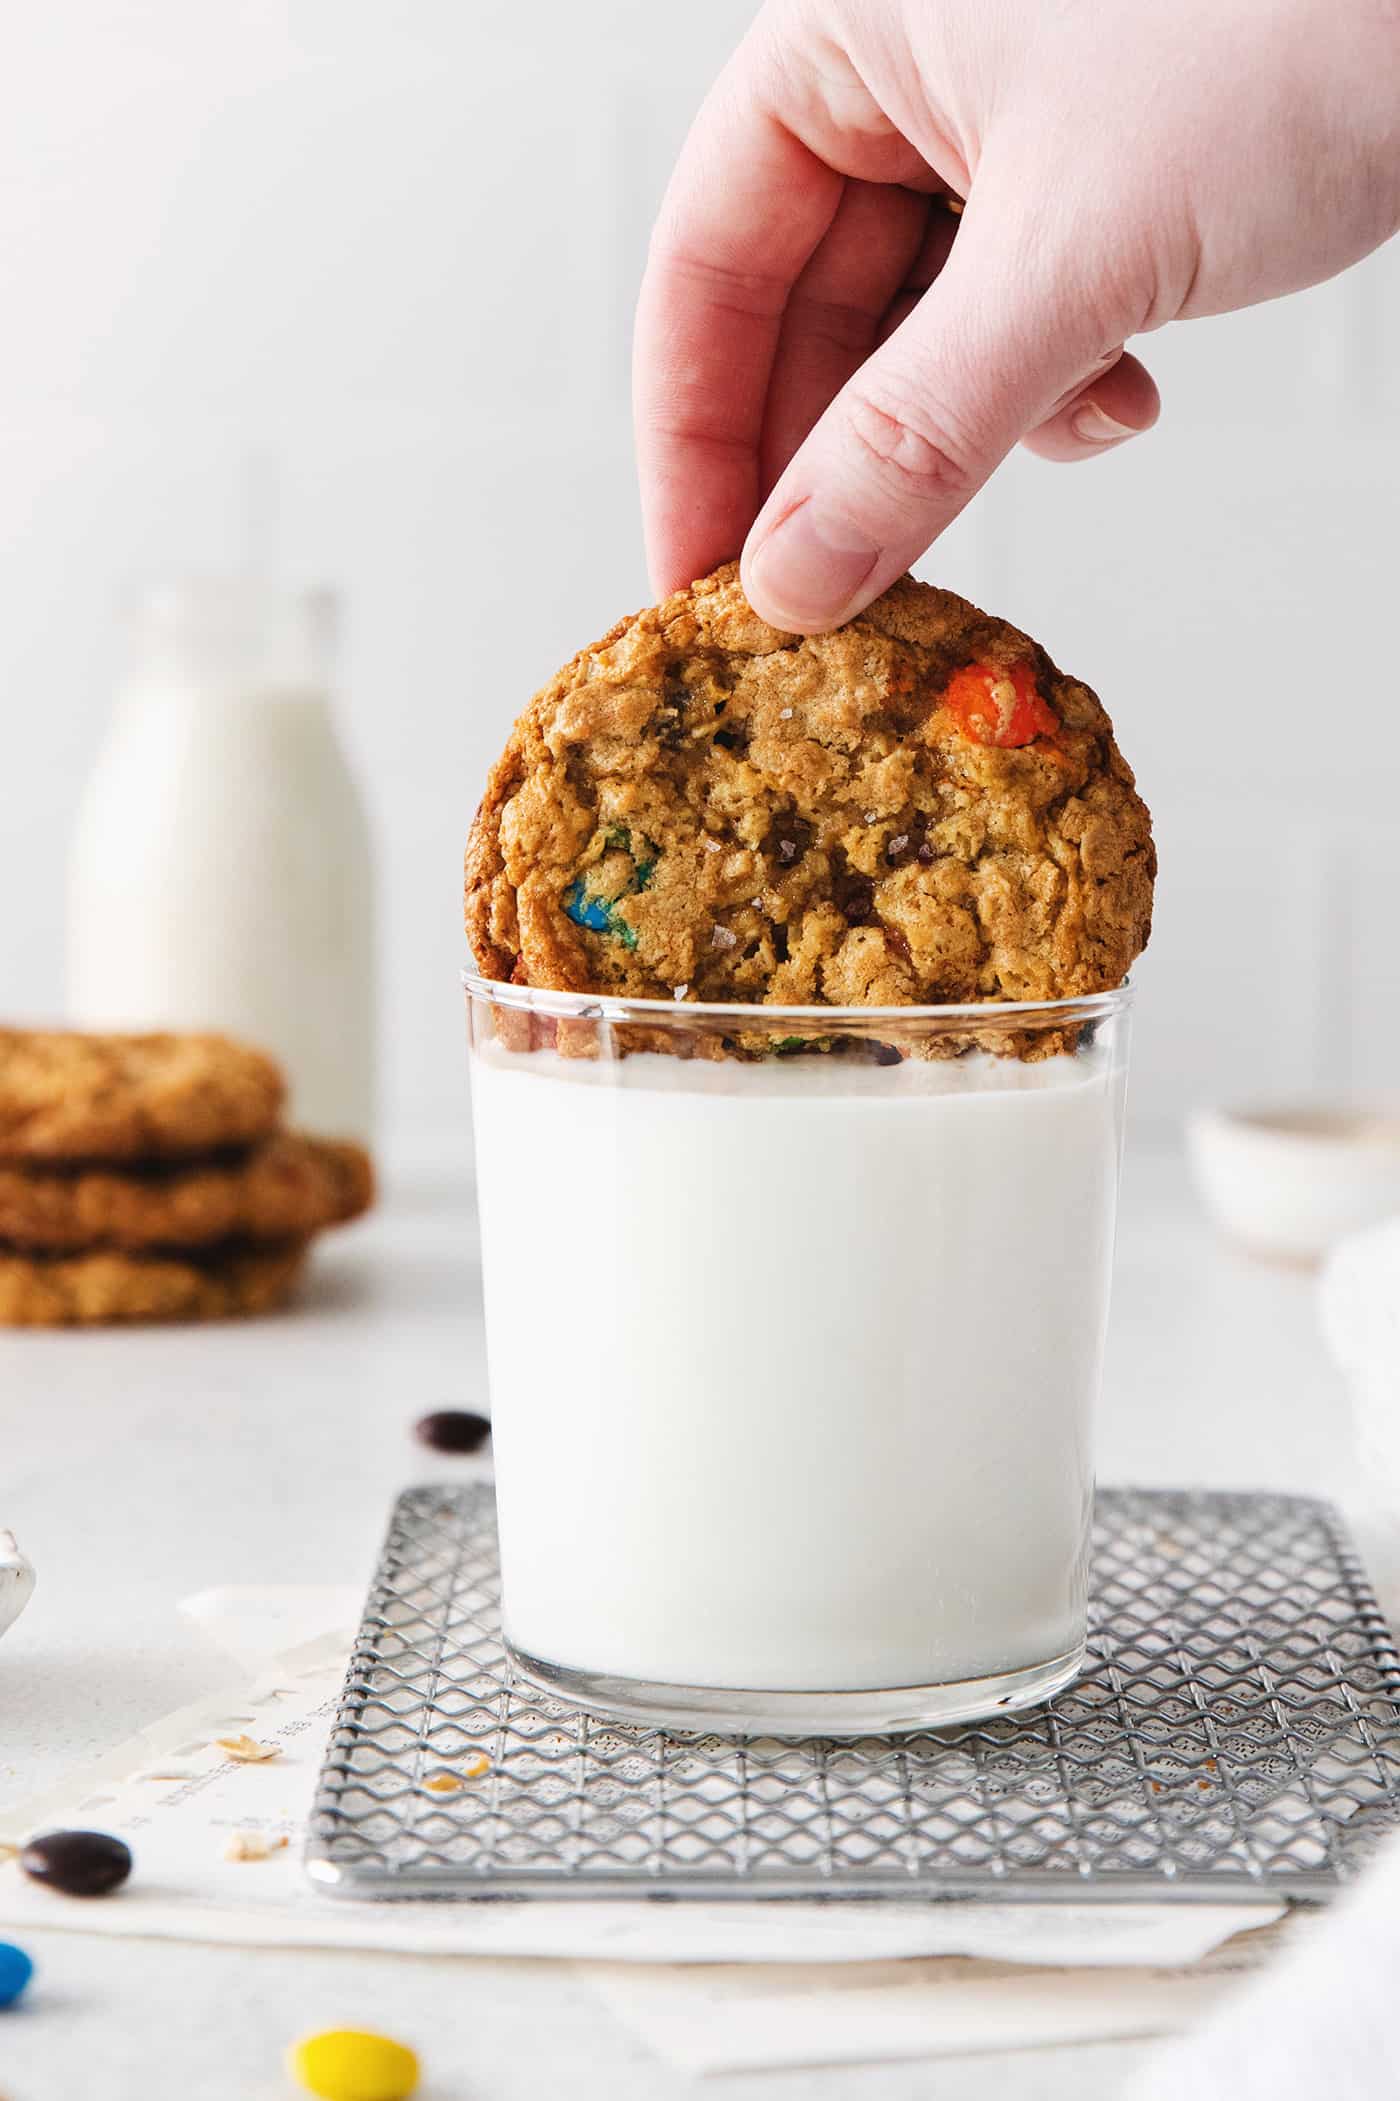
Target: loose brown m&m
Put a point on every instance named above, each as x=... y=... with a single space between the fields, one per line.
x=453 y=1430
x=79 y=1863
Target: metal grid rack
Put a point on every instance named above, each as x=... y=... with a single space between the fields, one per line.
x=1237 y=1730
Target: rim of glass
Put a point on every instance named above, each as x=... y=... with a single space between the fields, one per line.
x=607 y=1006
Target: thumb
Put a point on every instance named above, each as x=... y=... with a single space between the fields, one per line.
x=1008 y=332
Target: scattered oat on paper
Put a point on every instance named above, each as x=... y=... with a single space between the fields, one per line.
x=450 y=1783
x=243 y=1751
x=253 y=1845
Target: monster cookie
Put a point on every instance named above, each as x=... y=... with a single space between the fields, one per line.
x=48 y=1291
x=65 y=1096
x=283 y=1189
x=917 y=807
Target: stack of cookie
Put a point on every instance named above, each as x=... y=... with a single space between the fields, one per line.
x=150 y=1178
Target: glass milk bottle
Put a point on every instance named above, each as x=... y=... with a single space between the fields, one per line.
x=220 y=875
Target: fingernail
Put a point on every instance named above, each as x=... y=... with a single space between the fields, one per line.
x=809 y=569
x=1090 y=423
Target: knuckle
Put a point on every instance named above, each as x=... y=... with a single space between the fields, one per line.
x=911 y=462
x=829 y=324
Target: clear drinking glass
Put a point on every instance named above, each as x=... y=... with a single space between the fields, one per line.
x=794 y=1321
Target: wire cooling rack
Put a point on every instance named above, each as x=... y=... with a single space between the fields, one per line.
x=1237 y=1730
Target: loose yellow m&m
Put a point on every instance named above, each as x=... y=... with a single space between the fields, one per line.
x=347 y=2064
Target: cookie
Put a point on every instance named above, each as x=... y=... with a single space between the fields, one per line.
x=69 y=1096
x=918 y=807
x=49 y=1291
x=284 y=1188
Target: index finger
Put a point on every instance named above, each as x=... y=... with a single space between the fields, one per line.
x=747 y=205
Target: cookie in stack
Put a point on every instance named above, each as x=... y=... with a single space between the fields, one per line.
x=149 y=1178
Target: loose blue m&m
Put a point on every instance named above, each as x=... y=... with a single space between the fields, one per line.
x=15 y=1972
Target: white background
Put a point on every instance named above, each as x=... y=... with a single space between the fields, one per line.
x=394 y=249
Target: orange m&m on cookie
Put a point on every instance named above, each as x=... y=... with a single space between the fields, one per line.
x=1000 y=706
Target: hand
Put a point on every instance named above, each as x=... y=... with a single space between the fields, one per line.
x=831 y=363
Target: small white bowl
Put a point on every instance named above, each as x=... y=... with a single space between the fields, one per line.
x=16 y=1580
x=1288 y=1183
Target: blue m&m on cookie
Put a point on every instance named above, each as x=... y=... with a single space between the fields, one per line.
x=592 y=899
x=594 y=913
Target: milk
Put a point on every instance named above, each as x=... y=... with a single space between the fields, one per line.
x=793 y=1364
x=220 y=873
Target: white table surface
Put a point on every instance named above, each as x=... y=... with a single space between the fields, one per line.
x=139 y=1467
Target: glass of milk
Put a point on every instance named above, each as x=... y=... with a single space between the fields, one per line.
x=794 y=1320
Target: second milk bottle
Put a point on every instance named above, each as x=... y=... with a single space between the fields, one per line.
x=220 y=875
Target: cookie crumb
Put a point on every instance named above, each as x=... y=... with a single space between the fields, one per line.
x=446 y=1783
x=244 y=1751
x=252 y=1845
